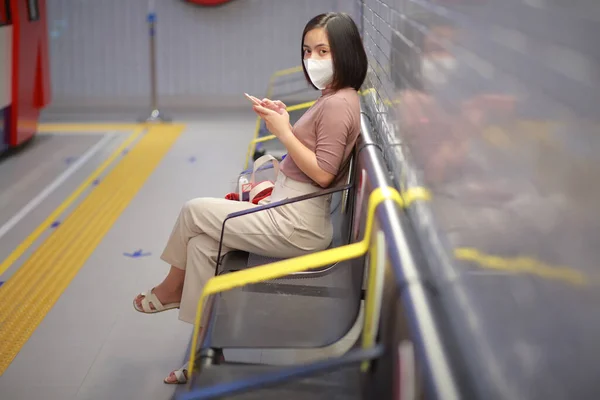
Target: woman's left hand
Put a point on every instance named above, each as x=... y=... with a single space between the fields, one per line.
x=278 y=123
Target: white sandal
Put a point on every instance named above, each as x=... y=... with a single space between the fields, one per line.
x=180 y=375
x=149 y=298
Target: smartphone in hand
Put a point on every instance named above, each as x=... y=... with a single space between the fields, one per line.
x=253 y=99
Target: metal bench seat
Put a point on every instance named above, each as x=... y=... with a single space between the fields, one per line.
x=307 y=310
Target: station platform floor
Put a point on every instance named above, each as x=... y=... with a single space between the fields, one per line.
x=85 y=210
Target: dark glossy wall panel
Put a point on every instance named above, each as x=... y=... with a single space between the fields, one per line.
x=495 y=106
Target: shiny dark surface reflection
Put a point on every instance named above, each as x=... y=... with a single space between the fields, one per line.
x=495 y=105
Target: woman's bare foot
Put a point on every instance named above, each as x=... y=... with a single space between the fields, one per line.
x=177 y=376
x=168 y=291
x=164 y=295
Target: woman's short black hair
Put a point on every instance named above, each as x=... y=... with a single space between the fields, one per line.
x=347 y=51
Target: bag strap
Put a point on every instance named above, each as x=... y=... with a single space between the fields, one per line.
x=262 y=161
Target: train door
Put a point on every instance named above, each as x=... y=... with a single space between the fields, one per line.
x=6 y=41
x=30 y=68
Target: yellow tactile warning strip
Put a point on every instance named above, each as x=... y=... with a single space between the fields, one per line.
x=31 y=292
x=33 y=236
x=62 y=128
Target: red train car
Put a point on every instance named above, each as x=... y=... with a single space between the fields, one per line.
x=24 y=69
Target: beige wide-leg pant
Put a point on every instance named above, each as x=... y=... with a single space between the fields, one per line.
x=286 y=231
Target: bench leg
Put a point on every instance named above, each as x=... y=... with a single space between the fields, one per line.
x=209 y=357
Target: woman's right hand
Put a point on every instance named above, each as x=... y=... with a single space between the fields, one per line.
x=278 y=123
x=275 y=105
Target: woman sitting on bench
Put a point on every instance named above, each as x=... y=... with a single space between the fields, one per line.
x=318 y=145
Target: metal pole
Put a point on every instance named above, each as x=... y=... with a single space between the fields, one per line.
x=362 y=17
x=155 y=114
x=152 y=23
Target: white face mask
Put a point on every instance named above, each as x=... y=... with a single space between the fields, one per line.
x=320 y=72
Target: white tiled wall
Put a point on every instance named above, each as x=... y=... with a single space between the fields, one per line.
x=99 y=49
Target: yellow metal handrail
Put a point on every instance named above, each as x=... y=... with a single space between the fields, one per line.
x=374 y=294
x=525 y=265
x=278 y=74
